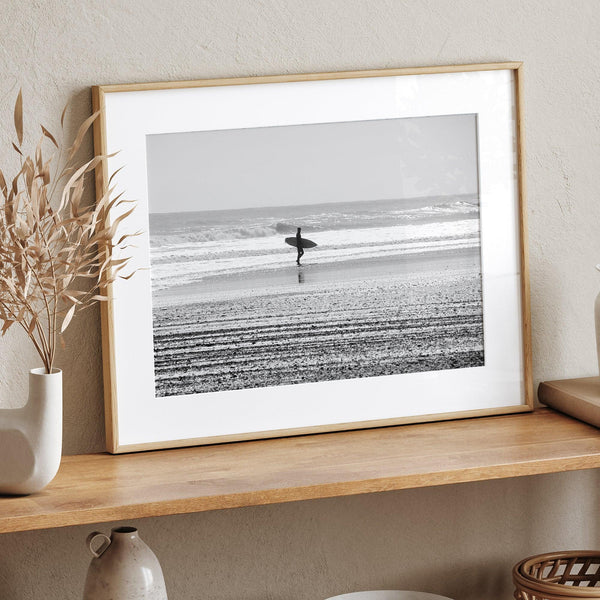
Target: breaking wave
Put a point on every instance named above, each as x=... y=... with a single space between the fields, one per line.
x=188 y=248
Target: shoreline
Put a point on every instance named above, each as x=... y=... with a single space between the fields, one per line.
x=294 y=277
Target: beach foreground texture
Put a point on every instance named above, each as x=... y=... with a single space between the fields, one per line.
x=390 y=300
x=321 y=333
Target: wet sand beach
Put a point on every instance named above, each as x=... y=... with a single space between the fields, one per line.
x=353 y=319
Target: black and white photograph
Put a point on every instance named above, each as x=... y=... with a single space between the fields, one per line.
x=307 y=253
x=315 y=253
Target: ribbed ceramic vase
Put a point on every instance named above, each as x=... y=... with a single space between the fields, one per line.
x=31 y=436
x=123 y=568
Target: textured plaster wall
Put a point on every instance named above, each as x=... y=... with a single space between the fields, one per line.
x=458 y=541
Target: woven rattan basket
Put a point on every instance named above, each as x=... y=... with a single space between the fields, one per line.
x=558 y=576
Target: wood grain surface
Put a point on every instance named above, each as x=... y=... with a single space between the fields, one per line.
x=100 y=487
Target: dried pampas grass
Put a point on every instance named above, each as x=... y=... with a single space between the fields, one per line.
x=54 y=261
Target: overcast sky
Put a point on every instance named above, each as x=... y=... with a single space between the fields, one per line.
x=309 y=164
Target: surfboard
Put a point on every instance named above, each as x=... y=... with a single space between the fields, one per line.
x=305 y=243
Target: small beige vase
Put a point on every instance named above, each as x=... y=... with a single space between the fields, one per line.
x=123 y=568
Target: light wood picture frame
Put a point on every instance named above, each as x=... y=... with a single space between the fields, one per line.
x=414 y=304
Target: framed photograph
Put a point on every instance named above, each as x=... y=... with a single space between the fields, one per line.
x=316 y=253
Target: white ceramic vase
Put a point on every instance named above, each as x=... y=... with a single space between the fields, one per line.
x=31 y=436
x=123 y=568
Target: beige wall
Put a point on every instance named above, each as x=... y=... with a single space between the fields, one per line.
x=458 y=540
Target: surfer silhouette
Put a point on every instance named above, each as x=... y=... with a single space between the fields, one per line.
x=299 y=245
x=298 y=242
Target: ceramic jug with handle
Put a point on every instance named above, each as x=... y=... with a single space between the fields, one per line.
x=123 y=567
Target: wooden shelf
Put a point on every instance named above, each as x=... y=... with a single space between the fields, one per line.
x=95 y=488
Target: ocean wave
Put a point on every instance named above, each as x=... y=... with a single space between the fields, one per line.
x=184 y=266
x=187 y=248
x=215 y=234
x=458 y=208
x=197 y=231
x=285 y=228
x=345 y=239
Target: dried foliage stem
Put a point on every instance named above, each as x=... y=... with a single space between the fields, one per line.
x=55 y=261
